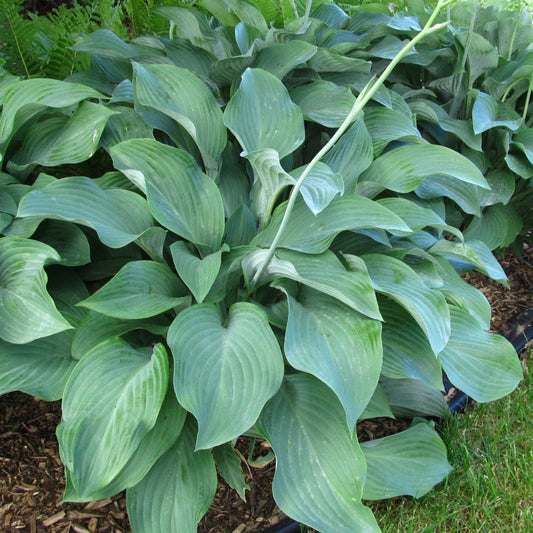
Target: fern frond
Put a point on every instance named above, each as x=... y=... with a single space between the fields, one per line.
x=64 y=25
x=271 y=10
x=142 y=18
x=58 y=60
x=109 y=14
x=139 y=14
x=17 y=36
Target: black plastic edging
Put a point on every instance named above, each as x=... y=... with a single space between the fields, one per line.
x=520 y=336
x=285 y=526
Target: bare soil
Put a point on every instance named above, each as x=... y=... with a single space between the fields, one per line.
x=31 y=474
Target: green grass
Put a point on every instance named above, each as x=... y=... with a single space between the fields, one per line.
x=491 y=489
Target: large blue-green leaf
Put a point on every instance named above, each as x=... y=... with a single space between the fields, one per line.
x=154 y=444
x=388 y=48
x=398 y=281
x=26 y=99
x=140 y=289
x=229 y=465
x=27 y=312
x=227 y=69
x=333 y=15
x=434 y=114
x=351 y=154
x=180 y=196
x=320 y=468
x=482 y=55
x=198 y=274
x=95 y=328
x=280 y=59
x=385 y=125
x=310 y=233
x=342 y=348
x=407 y=352
x=320 y=186
x=6 y=79
x=178 y=93
x=262 y=115
x=466 y=195
x=378 y=406
x=111 y=401
x=482 y=365
x=68 y=240
x=62 y=139
x=106 y=44
x=125 y=124
x=5 y=220
x=269 y=181
x=324 y=102
x=487 y=113
x=417 y=217
x=349 y=284
x=327 y=60
x=474 y=254
x=177 y=491
x=405 y=168
x=241 y=227
x=220 y=11
x=8 y=204
x=152 y=241
x=248 y=39
x=40 y=368
x=497 y=226
x=119 y=217
x=190 y=24
x=248 y=13
x=410 y=397
x=122 y=94
x=233 y=183
x=460 y=293
x=523 y=139
x=224 y=373
x=518 y=164
x=502 y=187
x=411 y=462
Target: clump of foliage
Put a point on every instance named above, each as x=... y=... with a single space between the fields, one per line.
x=249 y=229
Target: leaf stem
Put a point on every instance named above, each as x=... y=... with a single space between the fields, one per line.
x=364 y=97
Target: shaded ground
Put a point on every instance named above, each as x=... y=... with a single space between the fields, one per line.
x=31 y=475
x=43 y=7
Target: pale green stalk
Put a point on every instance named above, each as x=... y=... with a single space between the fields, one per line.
x=364 y=97
x=528 y=97
x=308 y=10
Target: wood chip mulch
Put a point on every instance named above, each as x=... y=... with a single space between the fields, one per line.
x=31 y=474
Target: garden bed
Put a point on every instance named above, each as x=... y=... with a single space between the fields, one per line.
x=31 y=474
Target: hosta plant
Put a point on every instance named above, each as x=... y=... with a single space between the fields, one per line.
x=227 y=232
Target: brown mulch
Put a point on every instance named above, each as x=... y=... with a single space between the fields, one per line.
x=508 y=304
x=31 y=474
